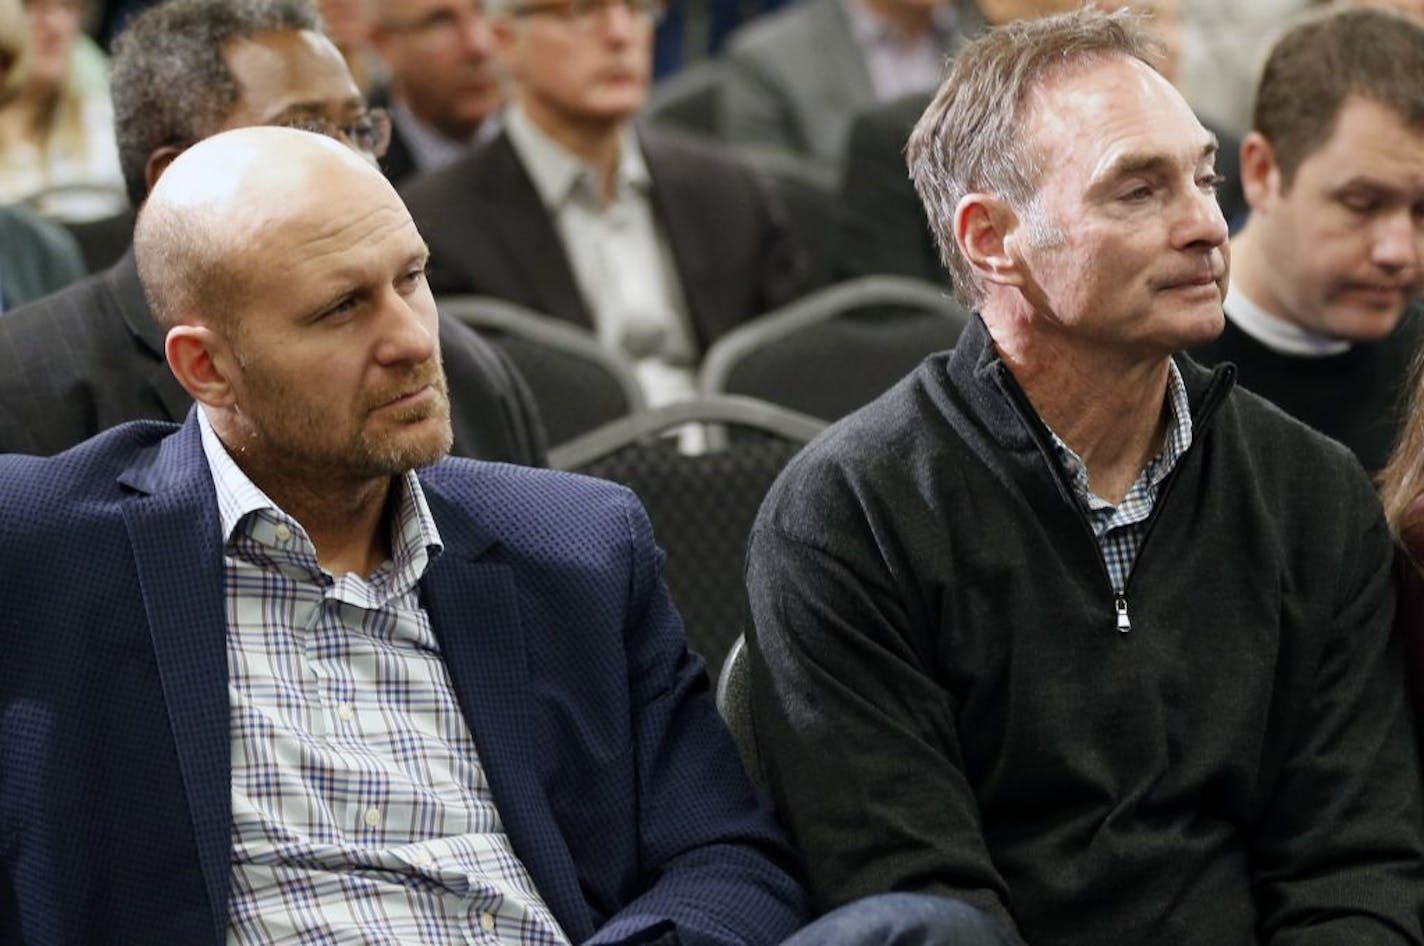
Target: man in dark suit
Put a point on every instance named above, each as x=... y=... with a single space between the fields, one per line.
x=659 y=245
x=320 y=684
x=441 y=87
x=91 y=356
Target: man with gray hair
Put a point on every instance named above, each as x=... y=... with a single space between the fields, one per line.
x=91 y=356
x=1064 y=625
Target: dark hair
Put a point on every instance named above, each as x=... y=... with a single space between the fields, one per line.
x=1326 y=59
x=971 y=136
x=169 y=81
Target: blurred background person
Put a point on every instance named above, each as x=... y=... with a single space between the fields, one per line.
x=796 y=78
x=348 y=24
x=56 y=136
x=36 y=257
x=441 y=86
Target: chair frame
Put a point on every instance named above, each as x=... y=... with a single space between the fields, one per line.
x=716 y=409
x=821 y=306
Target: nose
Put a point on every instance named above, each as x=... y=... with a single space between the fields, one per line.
x=1202 y=223
x=1398 y=240
x=409 y=329
x=475 y=35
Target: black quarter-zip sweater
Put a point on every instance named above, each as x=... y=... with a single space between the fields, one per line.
x=944 y=701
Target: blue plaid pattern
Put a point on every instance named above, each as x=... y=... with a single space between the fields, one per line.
x=1119 y=529
x=361 y=812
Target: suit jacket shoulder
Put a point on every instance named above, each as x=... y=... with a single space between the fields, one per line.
x=82 y=360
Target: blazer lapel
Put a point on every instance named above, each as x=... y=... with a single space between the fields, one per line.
x=523 y=228
x=127 y=293
x=177 y=549
x=471 y=599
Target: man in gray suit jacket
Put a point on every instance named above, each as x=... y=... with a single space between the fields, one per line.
x=797 y=78
x=91 y=356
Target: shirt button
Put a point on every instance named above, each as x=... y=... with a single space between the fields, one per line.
x=487 y=922
x=345 y=712
x=283 y=533
x=373 y=817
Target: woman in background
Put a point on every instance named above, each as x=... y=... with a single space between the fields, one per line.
x=57 y=147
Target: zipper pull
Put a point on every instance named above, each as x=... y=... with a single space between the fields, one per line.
x=1120 y=602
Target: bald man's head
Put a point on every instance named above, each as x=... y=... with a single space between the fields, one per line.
x=229 y=195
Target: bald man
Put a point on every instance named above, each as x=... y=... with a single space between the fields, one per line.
x=317 y=683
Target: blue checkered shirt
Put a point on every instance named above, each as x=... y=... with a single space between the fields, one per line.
x=1119 y=529
x=361 y=813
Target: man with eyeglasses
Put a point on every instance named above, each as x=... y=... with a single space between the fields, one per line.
x=657 y=244
x=91 y=356
x=441 y=87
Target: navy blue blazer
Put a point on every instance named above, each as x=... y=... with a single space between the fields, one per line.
x=616 y=781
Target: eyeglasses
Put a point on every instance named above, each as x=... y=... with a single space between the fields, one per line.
x=369 y=132
x=583 y=14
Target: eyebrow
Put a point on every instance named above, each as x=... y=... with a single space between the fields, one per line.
x=1139 y=163
x=316 y=109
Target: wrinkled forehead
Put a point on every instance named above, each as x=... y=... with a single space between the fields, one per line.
x=285 y=74
x=1084 y=111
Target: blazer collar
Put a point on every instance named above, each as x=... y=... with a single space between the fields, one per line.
x=177 y=547
x=470 y=594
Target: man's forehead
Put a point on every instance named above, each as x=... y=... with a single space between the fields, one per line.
x=288 y=71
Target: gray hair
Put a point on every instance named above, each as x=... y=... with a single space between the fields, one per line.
x=169 y=81
x=971 y=136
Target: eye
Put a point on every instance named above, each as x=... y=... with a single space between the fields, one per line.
x=337 y=312
x=1138 y=194
x=411 y=280
x=1360 y=203
x=1211 y=183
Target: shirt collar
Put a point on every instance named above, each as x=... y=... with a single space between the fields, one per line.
x=558 y=174
x=246 y=513
x=429 y=147
x=1277 y=334
x=1176 y=442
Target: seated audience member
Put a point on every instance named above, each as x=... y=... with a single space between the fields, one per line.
x=57 y=135
x=884 y=229
x=1333 y=252
x=1065 y=625
x=796 y=78
x=36 y=257
x=656 y=243
x=348 y=24
x=441 y=86
x=306 y=693
x=91 y=356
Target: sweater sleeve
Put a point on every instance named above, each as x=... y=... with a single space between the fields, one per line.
x=857 y=737
x=1337 y=852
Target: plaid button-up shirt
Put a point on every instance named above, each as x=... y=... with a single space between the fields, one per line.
x=361 y=813
x=1120 y=529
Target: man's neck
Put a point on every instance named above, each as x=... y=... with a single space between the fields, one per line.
x=349 y=526
x=1258 y=309
x=596 y=142
x=1112 y=414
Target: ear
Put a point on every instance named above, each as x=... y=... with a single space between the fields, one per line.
x=1260 y=174
x=157 y=163
x=203 y=363
x=984 y=228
